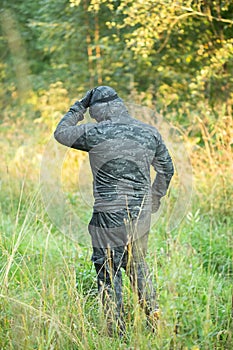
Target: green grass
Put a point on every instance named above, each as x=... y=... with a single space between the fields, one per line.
x=48 y=287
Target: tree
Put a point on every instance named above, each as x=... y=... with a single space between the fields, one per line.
x=180 y=50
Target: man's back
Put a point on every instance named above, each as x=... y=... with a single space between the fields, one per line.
x=120 y=158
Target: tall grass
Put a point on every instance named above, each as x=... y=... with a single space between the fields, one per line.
x=49 y=297
x=48 y=293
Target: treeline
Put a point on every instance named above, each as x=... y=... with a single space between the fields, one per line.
x=177 y=55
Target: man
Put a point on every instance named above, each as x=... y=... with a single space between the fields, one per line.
x=121 y=150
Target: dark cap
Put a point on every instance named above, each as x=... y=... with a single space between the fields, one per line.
x=103 y=94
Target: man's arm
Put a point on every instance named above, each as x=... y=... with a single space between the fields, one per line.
x=67 y=131
x=162 y=163
x=70 y=134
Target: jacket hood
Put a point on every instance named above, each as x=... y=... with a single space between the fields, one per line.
x=106 y=105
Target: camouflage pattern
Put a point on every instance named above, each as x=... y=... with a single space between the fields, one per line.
x=108 y=264
x=121 y=150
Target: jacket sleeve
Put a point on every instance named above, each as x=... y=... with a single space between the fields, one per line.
x=162 y=163
x=70 y=134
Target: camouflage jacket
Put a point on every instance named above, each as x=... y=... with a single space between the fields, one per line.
x=121 y=151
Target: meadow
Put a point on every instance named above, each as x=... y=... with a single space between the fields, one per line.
x=48 y=291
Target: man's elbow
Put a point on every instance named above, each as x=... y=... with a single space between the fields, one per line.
x=59 y=137
x=169 y=169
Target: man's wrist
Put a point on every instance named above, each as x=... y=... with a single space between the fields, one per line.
x=79 y=110
x=85 y=101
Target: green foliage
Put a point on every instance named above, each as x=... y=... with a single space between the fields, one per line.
x=185 y=50
x=181 y=51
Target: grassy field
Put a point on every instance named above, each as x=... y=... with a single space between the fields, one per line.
x=48 y=291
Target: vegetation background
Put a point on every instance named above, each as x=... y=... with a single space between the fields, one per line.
x=175 y=57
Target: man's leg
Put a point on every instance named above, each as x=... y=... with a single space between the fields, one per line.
x=141 y=279
x=109 y=279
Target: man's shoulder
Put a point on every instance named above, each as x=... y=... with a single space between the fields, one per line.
x=132 y=128
x=142 y=124
x=132 y=123
x=147 y=127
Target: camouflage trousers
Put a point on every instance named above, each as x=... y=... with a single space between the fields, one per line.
x=108 y=264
